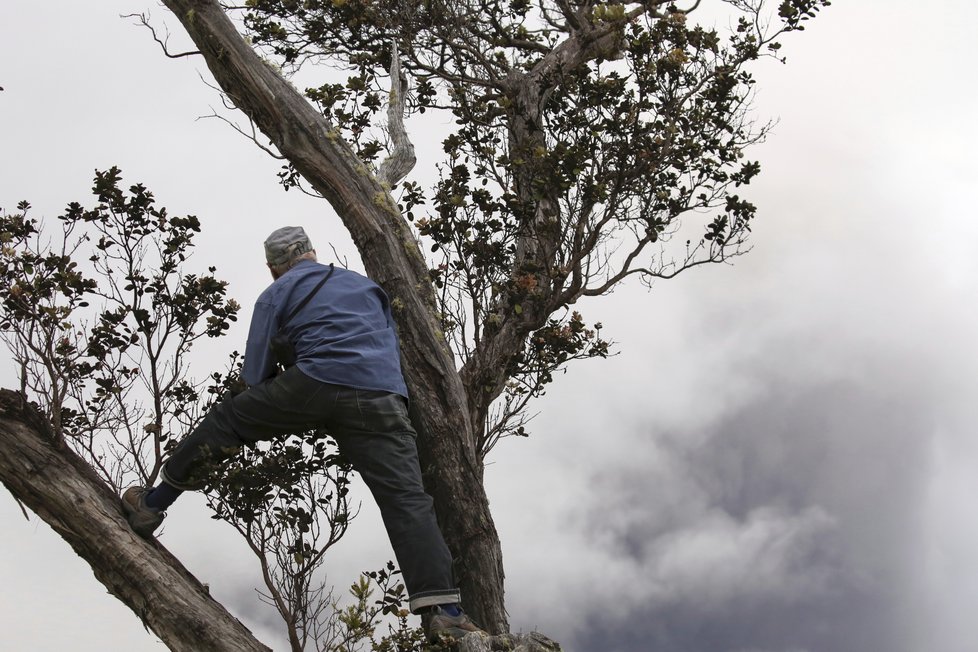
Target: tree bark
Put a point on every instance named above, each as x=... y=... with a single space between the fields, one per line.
x=62 y=489
x=532 y=642
x=447 y=437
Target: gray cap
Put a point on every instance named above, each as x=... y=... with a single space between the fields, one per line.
x=285 y=244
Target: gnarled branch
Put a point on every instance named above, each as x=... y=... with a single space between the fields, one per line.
x=401 y=161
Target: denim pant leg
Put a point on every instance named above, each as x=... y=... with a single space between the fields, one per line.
x=384 y=452
x=288 y=403
x=373 y=432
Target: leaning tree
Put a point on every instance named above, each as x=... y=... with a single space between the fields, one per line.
x=590 y=142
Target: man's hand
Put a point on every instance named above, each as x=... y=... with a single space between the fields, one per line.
x=236 y=386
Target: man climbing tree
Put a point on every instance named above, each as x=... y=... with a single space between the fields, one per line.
x=593 y=142
x=330 y=333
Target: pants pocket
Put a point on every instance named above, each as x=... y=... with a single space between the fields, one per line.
x=384 y=412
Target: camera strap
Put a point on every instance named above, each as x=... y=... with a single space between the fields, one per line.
x=309 y=296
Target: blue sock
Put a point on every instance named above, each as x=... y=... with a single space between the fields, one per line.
x=453 y=610
x=162 y=496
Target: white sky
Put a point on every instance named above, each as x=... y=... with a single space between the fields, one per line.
x=787 y=441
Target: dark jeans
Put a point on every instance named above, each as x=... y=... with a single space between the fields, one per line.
x=373 y=431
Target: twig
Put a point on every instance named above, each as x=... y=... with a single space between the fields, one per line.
x=144 y=21
x=338 y=258
x=23 y=509
x=253 y=137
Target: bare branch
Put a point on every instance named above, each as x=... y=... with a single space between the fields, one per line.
x=23 y=510
x=144 y=21
x=340 y=259
x=253 y=136
x=402 y=160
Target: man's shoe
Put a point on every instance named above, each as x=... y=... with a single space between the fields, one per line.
x=438 y=623
x=142 y=518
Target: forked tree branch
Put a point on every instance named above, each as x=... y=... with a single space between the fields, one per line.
x=144 y=21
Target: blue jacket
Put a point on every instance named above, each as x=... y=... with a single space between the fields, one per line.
x=345 y=335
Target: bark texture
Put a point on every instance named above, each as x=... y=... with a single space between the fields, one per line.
x=68 y=495
x=450 y=461
x=532 y=642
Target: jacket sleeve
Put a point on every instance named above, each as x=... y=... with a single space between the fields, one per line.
x=258 y=364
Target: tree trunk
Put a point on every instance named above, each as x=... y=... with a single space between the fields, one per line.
x=447 y=442
x=68 y=495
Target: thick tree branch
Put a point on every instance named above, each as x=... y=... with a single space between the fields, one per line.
x=538 y=247
x=70 y=497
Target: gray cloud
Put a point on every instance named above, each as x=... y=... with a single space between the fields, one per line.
x=791 y=526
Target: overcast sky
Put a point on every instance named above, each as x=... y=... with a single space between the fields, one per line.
x=781 y=458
